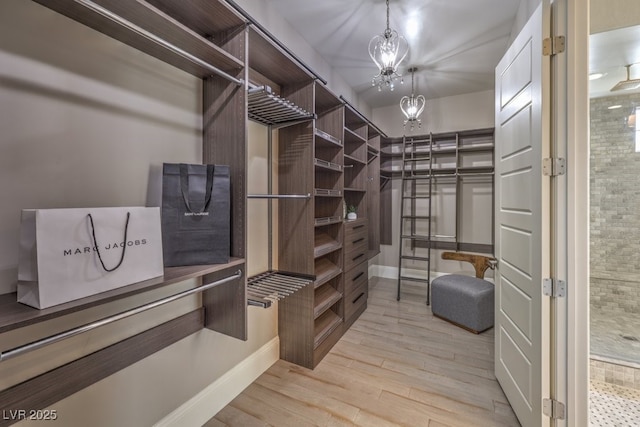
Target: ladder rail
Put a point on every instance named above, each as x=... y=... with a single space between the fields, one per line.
x=401 y=231
x=415 y=159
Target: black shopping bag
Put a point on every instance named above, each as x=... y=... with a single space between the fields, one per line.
x=195 y=214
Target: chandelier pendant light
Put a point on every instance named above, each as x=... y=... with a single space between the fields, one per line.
x=412 y=106
x=387 y=51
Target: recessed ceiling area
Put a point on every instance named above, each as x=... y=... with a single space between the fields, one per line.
x=454 y=44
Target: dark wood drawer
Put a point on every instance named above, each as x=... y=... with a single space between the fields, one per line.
x=358 y=254
x=355 y=239
x=356 y=289
x=353 y=227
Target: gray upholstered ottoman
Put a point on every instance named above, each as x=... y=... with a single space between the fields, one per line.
x=463 y=300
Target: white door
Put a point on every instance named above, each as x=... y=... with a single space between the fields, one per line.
x=522 y=353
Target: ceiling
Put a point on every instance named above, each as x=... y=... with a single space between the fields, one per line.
x=455 y=44
x=609 y=52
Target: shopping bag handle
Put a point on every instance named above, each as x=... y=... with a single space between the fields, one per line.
x=184 y=186
x=93 y=233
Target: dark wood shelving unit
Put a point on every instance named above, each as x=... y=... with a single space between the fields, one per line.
x=312 y=155
x=211 y=40
x=208 y=39
x=356 y=255
x=461 y=160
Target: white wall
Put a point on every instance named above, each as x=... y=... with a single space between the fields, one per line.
x=87 y=121
x=455 y=113
x=526 y=9
x=283 y=31
x=606 y=15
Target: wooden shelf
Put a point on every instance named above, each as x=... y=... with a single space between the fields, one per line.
x=149 y=18
x=273 y=62
x=324 y=325
x=325 y=270
x=324 y=192
x=330 y=166
x=325 y=297
x=325 y=99
x=350 y=135
x=325 y=244
x=325 y=138
x=14 y=315
x=353 y=119
x=321 y=222
x=350 y=160
x=477 y=148
x=355 y=190
x=206 y=17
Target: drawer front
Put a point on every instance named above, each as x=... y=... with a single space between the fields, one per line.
x=355 y=239
x=353 y=227
x=357 y=255
x=356 y=290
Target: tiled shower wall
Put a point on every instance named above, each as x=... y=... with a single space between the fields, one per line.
x=615 y=206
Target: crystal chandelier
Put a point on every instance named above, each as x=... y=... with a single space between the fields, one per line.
x=387 y=51
x=412 y=106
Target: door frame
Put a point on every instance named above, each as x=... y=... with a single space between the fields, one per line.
x=572 y=344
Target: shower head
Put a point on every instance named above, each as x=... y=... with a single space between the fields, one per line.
x=627 y=84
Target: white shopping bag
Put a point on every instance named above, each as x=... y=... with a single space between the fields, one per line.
x=66 y=254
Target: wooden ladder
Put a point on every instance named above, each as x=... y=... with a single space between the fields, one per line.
x=417 y=165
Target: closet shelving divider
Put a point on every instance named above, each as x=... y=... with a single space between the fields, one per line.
x=310 y=235
x=309 y=154
x=387 y=149
x=355 y=159
x=328 y=211
x=356 y=240
x=374 y=136
x=278 y=99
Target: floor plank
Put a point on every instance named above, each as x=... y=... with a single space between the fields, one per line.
x=398 y=365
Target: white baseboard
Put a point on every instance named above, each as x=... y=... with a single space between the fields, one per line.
x=389 y=272
x=206 y=404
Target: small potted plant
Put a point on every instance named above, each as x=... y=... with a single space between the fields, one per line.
x=351 y=213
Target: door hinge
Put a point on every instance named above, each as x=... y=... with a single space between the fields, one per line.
x=553 y=409
x=553 y=45
x=554 y=288
x=554 y=166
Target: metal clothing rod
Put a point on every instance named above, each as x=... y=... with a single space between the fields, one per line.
x=279 y=196
x=36 y=345
x=159 y=41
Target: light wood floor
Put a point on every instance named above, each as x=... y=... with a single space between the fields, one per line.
x=397 y=365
